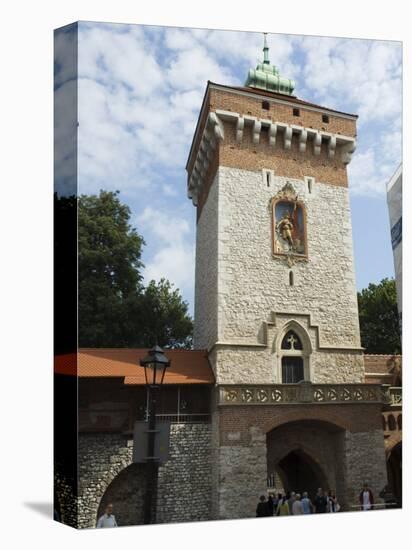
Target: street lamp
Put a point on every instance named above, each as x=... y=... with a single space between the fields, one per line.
x=155 y=364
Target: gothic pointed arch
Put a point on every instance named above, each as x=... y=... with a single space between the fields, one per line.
x=294 y=348
x=299 y=330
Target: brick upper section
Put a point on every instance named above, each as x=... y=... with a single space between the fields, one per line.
x=285 y=162
x=248 y=101
x=382 y=369
x=255 y=156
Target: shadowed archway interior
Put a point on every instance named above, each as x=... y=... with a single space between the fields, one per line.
x=301 y=473
x=394 y=468
x=126 y=492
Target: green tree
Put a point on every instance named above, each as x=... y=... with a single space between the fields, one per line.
x=109 y=252
x=166 y=316
x=114 y=307
x=378 y=318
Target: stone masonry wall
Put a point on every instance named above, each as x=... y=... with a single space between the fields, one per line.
x=185 y=480
x=101 y=458
x=106 y=473
x=253 y=286
x=365 y=463
x=242 y=477
x=205 y=330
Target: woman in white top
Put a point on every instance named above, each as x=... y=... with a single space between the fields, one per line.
x=107 y=519
x=297 y=508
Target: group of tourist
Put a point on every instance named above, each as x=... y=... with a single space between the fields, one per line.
x=296 y=504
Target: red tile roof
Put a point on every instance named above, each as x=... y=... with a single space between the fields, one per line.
x=187 y=366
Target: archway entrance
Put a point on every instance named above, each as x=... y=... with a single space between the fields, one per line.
x=302 y=456
x=300 y=473
x=394 y=468
x=126 y=492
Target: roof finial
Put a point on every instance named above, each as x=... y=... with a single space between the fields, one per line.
x=265 y=50
x=267 y=77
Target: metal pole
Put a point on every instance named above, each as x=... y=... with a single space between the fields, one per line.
x=152 y=461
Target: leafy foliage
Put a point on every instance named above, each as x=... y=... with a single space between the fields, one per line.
x=378 y=318
x=166 y=316
x=115 y=310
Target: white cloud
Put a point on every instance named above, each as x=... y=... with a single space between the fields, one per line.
x=175 y=263
x=169 y=190
x=369 y=173
x=117 y=58
x=364 y=74
x=137 y=112
x=172 y=239
x=193 y=68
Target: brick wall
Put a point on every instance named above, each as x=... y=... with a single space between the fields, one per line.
x=280 y=112
x=285 y=162
x=379 y=369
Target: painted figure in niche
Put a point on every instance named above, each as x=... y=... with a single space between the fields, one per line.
x=285 y=227
x=289 y=228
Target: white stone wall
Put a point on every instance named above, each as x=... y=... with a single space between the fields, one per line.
x=243 y=477
x=205 y=329
x=250 y=288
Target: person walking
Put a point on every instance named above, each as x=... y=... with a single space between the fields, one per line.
x=276 y=499
x=306 y=504
x=320 y=502
x=366 y=499
x=297 y=508
x=283 y=507
x=107 y=519
x=291 y=499
x=262 y=509
x=333 y=505
x=270 y=504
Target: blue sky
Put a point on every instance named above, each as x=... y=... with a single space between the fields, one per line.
x=140 y=91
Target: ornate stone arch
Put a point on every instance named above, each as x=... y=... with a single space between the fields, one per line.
x=305 y=353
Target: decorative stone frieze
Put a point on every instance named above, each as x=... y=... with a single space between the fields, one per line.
x=304 y=392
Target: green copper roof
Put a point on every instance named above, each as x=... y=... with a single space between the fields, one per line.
x=267 y=77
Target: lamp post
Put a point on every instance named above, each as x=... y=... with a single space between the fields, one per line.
x=155 y=364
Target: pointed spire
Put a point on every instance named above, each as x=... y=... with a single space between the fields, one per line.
x=265 y=50
x=267 y=77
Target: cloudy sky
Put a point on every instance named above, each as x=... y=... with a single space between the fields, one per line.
x=140 y=89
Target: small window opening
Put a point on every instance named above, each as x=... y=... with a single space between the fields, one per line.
x=292 y=370
x=325 y=118
x=310 y=184
x=265 y=105
x=291 y=341
x=296 y=112
x=268 y=179
x=291 y=278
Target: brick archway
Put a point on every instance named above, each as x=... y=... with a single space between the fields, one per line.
x=303 y=453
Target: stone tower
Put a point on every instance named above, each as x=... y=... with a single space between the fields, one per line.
x=275 y=295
